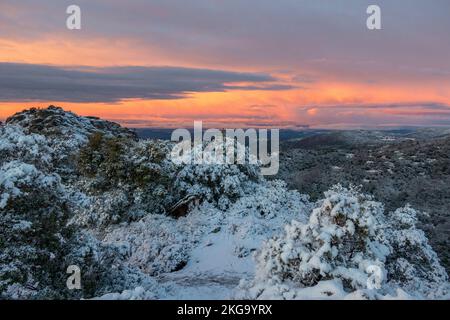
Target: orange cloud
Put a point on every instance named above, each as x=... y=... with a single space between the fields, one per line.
x=234 y=108
x=69 y=50
x=237 y=108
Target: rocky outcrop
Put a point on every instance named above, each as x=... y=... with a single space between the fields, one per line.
x=53 y=121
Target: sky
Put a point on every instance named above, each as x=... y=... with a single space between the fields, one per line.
x=230 y=63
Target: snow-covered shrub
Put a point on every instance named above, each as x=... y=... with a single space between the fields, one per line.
x=15 y=144
x=103 y=158
x=37 y=244
x=270 y=199
x=33 y=216
x=350 y=240
x=159 y=244
x=209 y=177
x=113 y=161
x=125 y=179
x=103 y=267
x=413 y=264
x=153 y=176
x=339 y=241
x=155 y=244
x=107 y=208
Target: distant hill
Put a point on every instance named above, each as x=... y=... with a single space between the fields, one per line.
x=165 y=134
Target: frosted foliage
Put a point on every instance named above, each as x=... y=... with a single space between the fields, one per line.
x=209 y=177
x=413 y=264
x=349 y=241
x=338 y=241
x=156 y=244
x=32 y=233
x=16 y=177
x=15 y=144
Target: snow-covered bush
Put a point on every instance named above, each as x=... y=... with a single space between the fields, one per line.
x=157 y=243
x=37 y=243
x=124 y=179
x=350 y=240
x=413 y=264
x=104 y=159
x=207 y=176
x=340 y=240
x=29 y=148
x=270 y=199
x=33 y=216
x=103 y=267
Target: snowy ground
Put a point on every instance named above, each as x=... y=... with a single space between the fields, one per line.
x=219 y=244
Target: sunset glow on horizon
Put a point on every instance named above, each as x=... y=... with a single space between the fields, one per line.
x=229 y=63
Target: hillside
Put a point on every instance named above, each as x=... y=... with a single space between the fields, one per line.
x=87 y=192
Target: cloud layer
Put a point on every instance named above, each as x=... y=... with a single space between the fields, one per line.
x=31 y=82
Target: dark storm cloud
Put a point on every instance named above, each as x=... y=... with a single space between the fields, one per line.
x=30 y=82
